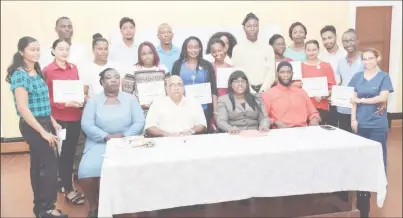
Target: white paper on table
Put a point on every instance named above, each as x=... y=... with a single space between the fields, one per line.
x=341 y=96
x=61 y=134
x=297 y=71
x=147 y=92
x=201 y=92
x=68 y=90
x=223 y=76
x=315 y=86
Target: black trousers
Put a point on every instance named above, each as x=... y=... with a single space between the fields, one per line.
x=69 y=146
x=43 y=169
x=324 y=115
x=333 y=118
x=345 y=122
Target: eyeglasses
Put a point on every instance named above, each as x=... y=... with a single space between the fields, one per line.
x=368 y=59
x=176 y=85
x=237 y=82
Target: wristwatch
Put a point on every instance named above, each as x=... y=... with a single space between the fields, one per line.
x=192 y=131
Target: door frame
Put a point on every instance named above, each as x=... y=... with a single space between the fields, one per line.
x=395 y=43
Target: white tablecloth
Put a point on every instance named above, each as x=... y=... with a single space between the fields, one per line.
x=215 y=168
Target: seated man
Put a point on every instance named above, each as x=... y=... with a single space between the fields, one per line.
x=287 y=105
x=175 y=114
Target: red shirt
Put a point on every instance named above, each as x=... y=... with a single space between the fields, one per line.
x=325 y=69
x=289 y=105
x=221 y=91
x=54 y=72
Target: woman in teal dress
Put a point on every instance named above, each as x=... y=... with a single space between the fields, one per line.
x=110 y=114
x=296 y=51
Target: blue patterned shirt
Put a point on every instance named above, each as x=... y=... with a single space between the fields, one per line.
x=38 y=95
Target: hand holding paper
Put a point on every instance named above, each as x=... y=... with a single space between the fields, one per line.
x=341 y=96
x=315 y=86
x=68 y=90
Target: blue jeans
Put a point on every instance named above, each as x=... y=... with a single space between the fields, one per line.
x=379 y=135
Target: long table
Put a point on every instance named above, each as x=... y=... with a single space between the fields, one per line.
x=206 y=169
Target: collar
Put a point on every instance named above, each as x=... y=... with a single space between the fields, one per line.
x=357 y=59
x=180 y=103
x=54 y=66
x=283 y=88
x=173 y=49
x=120 y=97
x=123 y=44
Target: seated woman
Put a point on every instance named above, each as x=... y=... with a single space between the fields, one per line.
x=239 y=109
x=110 y=114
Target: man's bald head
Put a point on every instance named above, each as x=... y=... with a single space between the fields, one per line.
x=165 y=34
x=174 y=79
x=174 y=86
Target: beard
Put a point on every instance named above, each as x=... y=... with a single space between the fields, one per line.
x=286 y=84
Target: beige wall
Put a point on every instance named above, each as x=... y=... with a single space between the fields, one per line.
x=398 y=89
x=37 y=19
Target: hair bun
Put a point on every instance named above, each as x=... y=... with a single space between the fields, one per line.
x=96 y=36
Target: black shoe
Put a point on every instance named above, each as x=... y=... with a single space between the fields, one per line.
x=49 y=214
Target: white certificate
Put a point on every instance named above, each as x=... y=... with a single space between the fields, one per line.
x=341 y=96
x=201 y=92
x=147 y=92
x=223 y=76
x=315 y=86
x=68 y=90
x=296 y=68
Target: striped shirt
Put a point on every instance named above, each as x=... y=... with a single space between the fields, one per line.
x=38 y=94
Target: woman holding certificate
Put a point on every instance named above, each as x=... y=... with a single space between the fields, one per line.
x=371 y=87
x=198 y=76
x=67 y=114
x=37 y=126
x=110 y=114
x=152 y=78
x=149 y=59
x=239 y=109
x=317 y=79
x=217 y=49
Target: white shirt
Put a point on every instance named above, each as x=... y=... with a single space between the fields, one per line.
x=210 y=58
x=140 y=68
x=333 y=60
x=126 y=56
x=89 y=74
x=79 y=54
x=257 y=61
x=170 y=117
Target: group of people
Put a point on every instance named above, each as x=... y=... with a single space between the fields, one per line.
x=261 y=96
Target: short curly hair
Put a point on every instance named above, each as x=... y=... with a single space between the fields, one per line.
x=231 y=39
x=293 y=26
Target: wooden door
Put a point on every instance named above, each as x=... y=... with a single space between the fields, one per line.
x=373 y=27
